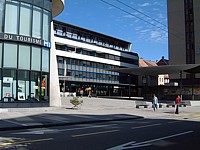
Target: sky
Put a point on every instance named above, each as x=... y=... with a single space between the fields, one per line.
x=141 y=22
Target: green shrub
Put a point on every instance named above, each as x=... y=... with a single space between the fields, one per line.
x=76 y=101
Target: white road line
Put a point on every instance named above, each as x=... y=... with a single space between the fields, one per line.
x=133 y=144
x=130 y=122
x=48 y=118
x=13 y=122
x=80 y=128
x=48 y=131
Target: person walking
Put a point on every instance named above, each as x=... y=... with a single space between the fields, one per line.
x=155 y=102
x=177 y=102
x=81 y=93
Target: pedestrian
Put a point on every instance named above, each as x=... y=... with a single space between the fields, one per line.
x=89 y=93
x=81 y=93
x=178 y=100
x=155 y=102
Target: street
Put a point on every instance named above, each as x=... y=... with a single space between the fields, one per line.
x=147 y=134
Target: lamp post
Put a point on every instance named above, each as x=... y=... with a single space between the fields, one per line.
x=181 y=82
x=129 y=86
x=144 y=81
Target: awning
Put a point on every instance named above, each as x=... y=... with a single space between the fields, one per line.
x=156 y=70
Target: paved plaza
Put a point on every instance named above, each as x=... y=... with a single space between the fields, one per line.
x=91 y=111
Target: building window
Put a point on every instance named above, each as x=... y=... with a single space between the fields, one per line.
x=0 y=55
x=25 y=19
x=9 y=85
x=35 y=86
x=10 y=55
x=24 y=57
x=38 y=3
x=2 y=4
x=11 y=21
x=45 y=59
x=47 y=4
x=36 y=58
x=23 y=85
x=44 y=87
x=37 y=20
x=46 y=25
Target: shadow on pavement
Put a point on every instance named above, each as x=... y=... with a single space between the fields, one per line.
x=50 y=120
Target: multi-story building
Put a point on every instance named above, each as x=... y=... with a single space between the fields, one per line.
x=25 y=35
x=85 y=59
x=184 y=41
x=184 y=32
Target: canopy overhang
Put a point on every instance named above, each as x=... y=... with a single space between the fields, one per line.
x=156 y=70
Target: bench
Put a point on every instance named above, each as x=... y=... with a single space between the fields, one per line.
x=182 y=104
x=170 y=104
x=160 y=105
x=143 y=104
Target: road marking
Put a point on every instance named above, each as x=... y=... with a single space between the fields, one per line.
x=50 y=117
x=22 y=142
x=13 y=122
x=40 y=131
x=97 y=126
x=150 y=125
x=130 y=122
x=133 y=144
x=48 y=131
x=95 y=133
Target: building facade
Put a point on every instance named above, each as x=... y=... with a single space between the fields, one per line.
x=25 y=35
x=86 y=59
x=184 y=33
x=184 y=43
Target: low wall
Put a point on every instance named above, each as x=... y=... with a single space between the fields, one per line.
x=195 y=103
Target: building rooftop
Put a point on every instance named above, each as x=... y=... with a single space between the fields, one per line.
x=146 y=63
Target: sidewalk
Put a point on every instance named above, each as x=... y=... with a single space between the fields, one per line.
x=93 y=110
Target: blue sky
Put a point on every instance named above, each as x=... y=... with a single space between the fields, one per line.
x=149 y=41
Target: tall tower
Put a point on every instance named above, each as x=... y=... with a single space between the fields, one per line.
x=184 y=32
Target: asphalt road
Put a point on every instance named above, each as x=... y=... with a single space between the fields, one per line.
x=145 y=134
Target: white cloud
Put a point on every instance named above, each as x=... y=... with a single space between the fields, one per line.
x=138 y=28
x=144 y=31
x=144 y=5
x=155 y=34
x=128 y=16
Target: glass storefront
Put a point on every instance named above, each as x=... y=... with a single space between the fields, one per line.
x=24 y=54
x=24 y=72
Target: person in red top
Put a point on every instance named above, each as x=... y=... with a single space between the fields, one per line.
x=178 y=100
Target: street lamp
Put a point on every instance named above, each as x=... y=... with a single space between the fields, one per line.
x=181 y=83
x=129 y=86
x=144 y=82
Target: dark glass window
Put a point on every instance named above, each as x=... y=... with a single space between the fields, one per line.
x=38 y=3
x=9 y=85
x=23 y=85
x=2 y=5
x=47 y=4
x=35 y=86
x=44 y=87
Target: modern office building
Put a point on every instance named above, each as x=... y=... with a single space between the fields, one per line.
x=85 y=59
x=184 y=42
x=25 y=42
x=184 y=32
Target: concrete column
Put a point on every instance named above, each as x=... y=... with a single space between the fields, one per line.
x=55 y=99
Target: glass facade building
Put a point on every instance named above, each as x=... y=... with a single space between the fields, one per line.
x=24 y=51
x=86 y=59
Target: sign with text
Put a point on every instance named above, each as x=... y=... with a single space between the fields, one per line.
x=26 y=39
